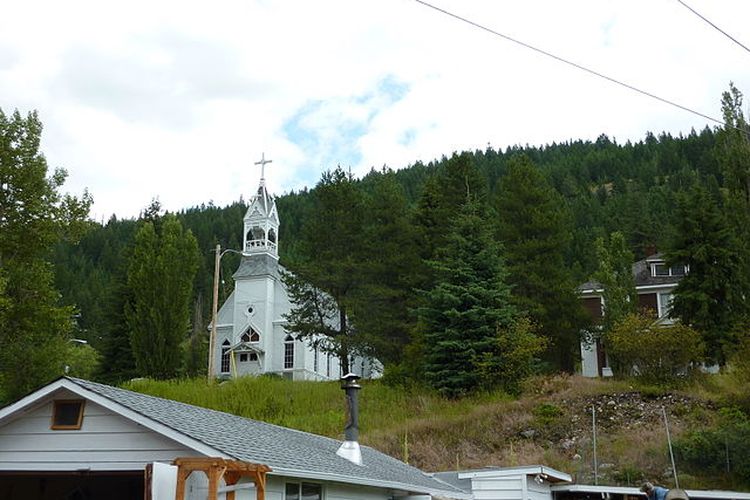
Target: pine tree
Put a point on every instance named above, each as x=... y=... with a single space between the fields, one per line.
x=446 y=190
x=389 y=270
x=468 y=302
x=535 y=226
x=323 y=283
x=160 y=278
x=711 y=296
x=34 y=327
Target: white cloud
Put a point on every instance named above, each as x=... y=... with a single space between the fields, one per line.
x=178 y=99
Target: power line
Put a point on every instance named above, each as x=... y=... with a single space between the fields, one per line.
x=570 y=63
x=713 y=25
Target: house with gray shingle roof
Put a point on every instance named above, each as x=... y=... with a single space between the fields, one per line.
x=655 y=283
x=79 y=439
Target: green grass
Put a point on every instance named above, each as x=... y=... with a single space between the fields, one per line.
x=317 y=407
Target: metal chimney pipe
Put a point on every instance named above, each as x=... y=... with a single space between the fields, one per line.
x=350 y=449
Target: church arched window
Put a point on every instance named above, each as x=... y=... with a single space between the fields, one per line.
x=272 y=235
x=225 y=357
x=250 y=336
x=288 y=352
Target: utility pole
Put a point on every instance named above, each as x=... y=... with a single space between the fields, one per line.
x=669 y=442
x=214 y=315
x=593 y=429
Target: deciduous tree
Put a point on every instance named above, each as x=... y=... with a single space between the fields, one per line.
x=34 y=215
x=160 y=278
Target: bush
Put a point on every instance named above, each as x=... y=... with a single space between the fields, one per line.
x=654 y=353
x=513 y=357
x=723 y=450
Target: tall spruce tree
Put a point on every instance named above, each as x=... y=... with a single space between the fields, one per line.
x=711 y=297
x=469 y=300
x=34 y=327
x=323 y=283
x=160 y=278
x=535 y=226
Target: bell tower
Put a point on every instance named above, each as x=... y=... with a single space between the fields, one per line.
x=261 y=228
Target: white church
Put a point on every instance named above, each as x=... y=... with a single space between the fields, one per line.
x=251 y=338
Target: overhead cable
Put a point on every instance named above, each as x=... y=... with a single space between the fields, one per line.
x=713 y=25
x=570 y=63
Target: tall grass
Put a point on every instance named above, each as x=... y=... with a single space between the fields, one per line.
x=317 y=407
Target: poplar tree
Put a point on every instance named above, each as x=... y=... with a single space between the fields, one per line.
x=535 y=227
x=615 y=275
x=34 y=327
x=160 y=279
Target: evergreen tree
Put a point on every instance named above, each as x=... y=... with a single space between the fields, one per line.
x=734 y=145
x=468 y=302
x=34 y=327
x=615 y=275
x=534 y=225
x=711 y=297
x=323 y=284
x=160 y=278
x=447 y=189
x=389 y=269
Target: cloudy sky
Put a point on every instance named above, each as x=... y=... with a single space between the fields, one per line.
x=178 y=99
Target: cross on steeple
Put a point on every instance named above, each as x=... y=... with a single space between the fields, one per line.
x=262 y=164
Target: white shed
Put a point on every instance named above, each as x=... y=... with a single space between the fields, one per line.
x=79 y=440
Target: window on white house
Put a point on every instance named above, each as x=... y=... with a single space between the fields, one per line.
x=288 y=352
x=225 y=357
x=665 y=304
x=677 y=270
x=315 y=360
x=243 y=357
x=661 y=270
x=303 y=491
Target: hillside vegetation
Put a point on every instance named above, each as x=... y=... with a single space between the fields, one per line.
x=549 y=423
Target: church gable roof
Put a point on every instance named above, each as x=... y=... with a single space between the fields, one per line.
x=225 y=315
x=286 y=451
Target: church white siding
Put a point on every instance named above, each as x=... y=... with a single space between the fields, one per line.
x=260 y=301
x=105 y=442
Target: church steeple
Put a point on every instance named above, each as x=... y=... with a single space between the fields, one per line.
x=261 y=220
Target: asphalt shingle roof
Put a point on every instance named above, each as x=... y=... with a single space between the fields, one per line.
x=283 y=449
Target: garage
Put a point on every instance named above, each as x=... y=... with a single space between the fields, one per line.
x=72 y=486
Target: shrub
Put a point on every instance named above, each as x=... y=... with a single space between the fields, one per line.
x=655 y=353
x=723 y=449
x=513 y=357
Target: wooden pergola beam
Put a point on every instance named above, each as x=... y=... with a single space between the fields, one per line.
x=217 y=469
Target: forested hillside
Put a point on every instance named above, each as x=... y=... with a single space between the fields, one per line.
x=394 y=233
x=460 y=274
